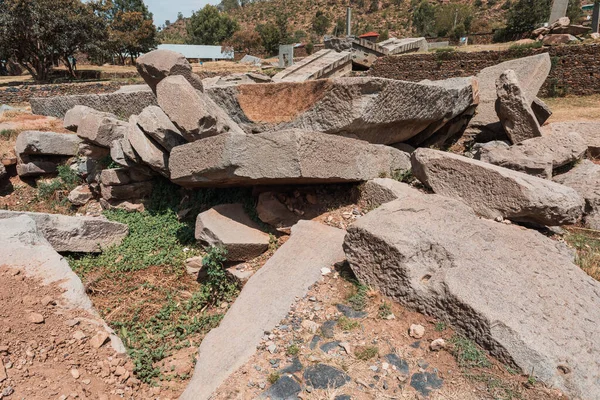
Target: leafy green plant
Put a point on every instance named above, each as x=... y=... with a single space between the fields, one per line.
x=8 y=134
x=366 y=353
x=293 y=350
x=66 y=181
x=358 y=300
x=467 y=353
x=273 y=377
x=440 y=326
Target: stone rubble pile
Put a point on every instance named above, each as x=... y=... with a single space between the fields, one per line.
x=454 y=254
x=560 y=32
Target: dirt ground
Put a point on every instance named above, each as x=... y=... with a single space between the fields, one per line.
x=384 y=330
x=53 y=357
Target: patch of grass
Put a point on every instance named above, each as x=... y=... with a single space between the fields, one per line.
x=358 y=300
x=8 y=134
x=366 y=353
x=440 y=326
x=495 y=386
x=58 y=188
x=153 y=339
x=405 y=176
x=587 y=244
x=347 y=324
x=293 y=350
x=468 y=354
x=519 y=48
x=385 y=310
x=273 y=377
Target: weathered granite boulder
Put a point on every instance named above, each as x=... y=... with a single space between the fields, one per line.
x=80 y=195
x=75 y=234
x=379 y=191
x=531 y=72
x=494 y=191
x=295 y=157
x=159 y=64
x=28 y=167
x=123 y=154
x=514 y=291
x=47 y=143
x=538 y=156
x=558 y=38
x=92 y=151
x=288 y=274
x=541 y=110
x=151 y=154
x=273 y=212
x=101 y=129
x=155 y=123
x=585 y=179
x=514 y=110
x=193 y=112
x=589 y=130
x=382 y=111
x=74 y=116
x=229 y=226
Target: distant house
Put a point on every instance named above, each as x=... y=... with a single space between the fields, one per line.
x=370 y=36
x=197 y=53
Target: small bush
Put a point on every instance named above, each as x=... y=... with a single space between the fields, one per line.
x=273 y=377
x=293 y=350
x=358 y=300
x=385 y=310
x=66 y=181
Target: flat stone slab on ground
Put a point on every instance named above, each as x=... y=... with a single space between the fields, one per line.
x=494 y=191
x=75 y=234
x=229 y=225
x=538 y=156
x=323 y=376
x=293 y=268
x=47 y=143
x=381 y=111
x=295 y=157
x=461 y=270
x=589 y=130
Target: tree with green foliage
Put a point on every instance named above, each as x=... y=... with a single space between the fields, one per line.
x=424 y=18
x=574 y=11
x=270 y=37
x=340 y=27
x=38 y=32
x=384 y=35
x=320 y=23
x=453 y=19
x=209 y=26
x=131 y=29
x=229 y=5
x=525 y=16
x=282 y=21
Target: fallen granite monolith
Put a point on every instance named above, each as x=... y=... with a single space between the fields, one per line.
x=434 y=255
x=294 y=157
x=377 y=110
x=150 y=152
x=155 y=123
x=229 y=226
x=47 y=143
x=585 y=179
x=538 y=156
x=74 y=116
x=159 y=64
x=194 y=113
x=379 y=191
x=75 y=234
x=531 y=72
x=101 y=129
x=287 y=275
x=494 y=191
x=514 y=109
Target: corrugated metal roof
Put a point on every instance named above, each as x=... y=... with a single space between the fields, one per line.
x=369 y=34
x=198 y=51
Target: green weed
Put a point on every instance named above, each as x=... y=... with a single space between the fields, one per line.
x=347 y=324
x=468 y=354
x=358 y=300
x=8 y=134
x=440 y=326
x=58 y=188
x=587 y=245
x=366 y=353
x=404 y=175
x=385 y=310
x=293 y=350
x=273 y=377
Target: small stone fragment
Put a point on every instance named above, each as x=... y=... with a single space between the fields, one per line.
x=99 y=339
x=75 y=373
x=36 y=318
x=437 y=344
x=416 y=331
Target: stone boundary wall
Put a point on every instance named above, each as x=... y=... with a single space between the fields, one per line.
x=575 y=68
x=22 y=93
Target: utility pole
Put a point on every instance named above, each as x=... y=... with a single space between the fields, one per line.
x=348 y=20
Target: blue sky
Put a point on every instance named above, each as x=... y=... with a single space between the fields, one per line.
x=168 y=9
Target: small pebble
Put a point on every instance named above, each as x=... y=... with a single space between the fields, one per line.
x=416 y=331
